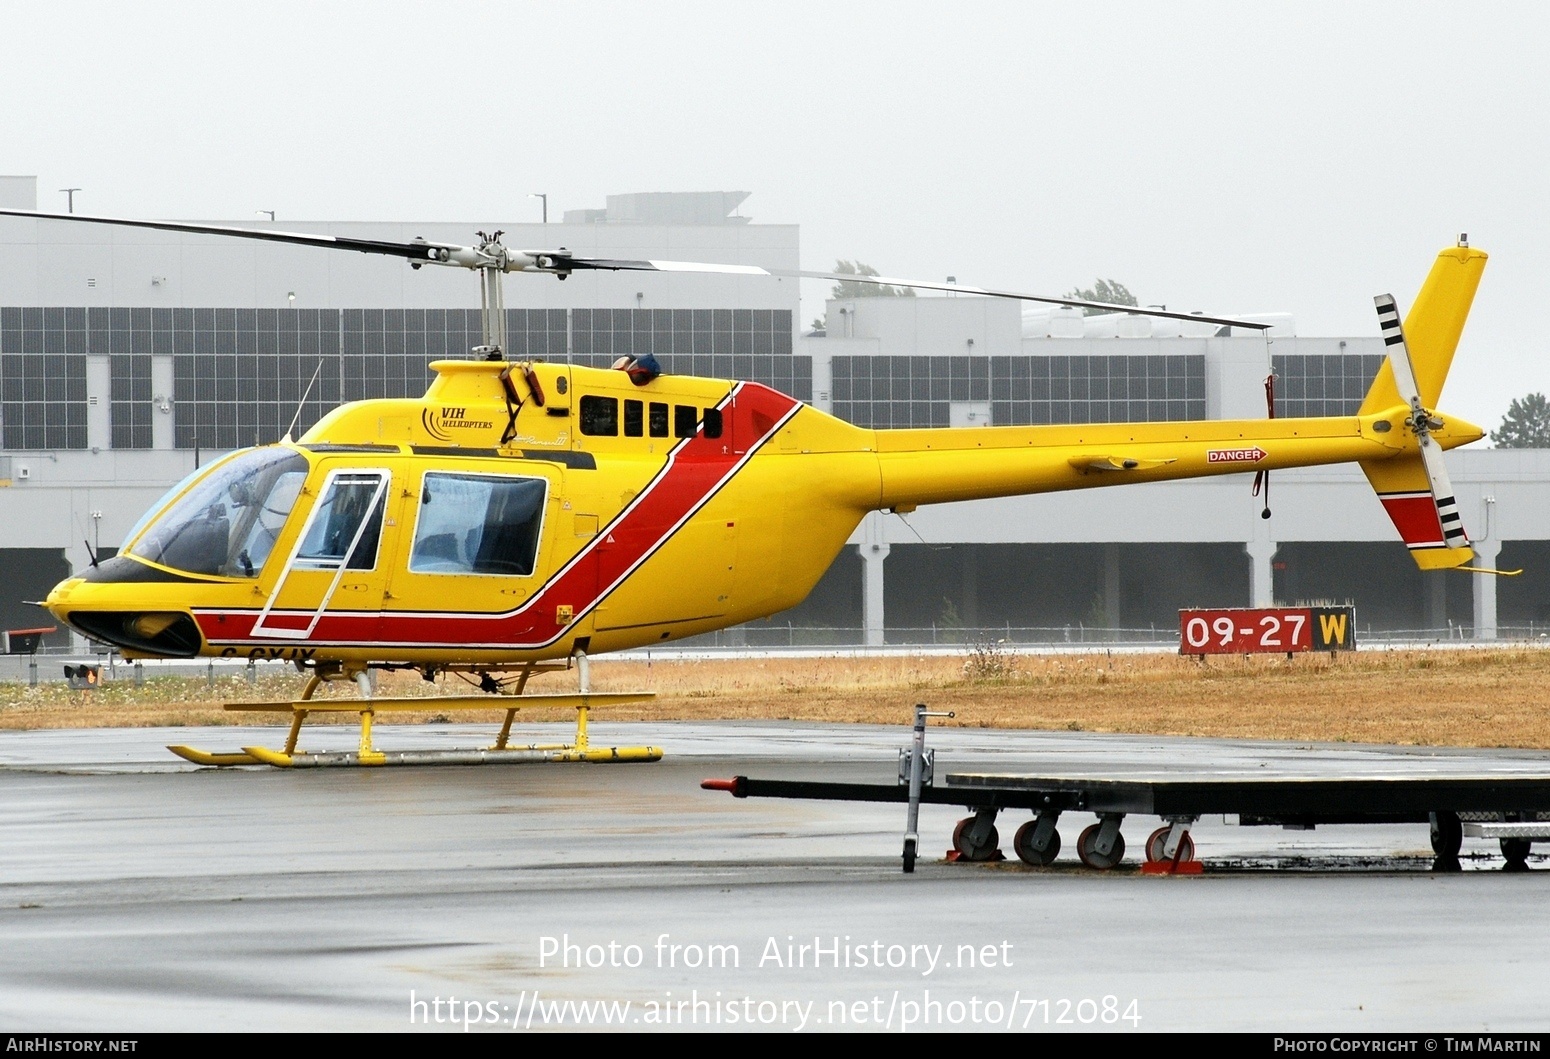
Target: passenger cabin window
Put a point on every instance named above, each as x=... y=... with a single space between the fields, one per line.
x=478 y=524
x=600 y=416
x=658 y=419
x=686 y=420
x=346 y=525
x=634 y=419
x=713 y=422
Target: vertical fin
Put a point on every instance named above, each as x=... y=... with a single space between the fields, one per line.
x=1432 y=328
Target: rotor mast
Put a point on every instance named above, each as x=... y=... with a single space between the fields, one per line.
x=492 y=275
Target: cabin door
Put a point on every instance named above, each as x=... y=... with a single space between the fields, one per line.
x=333 y=568
x=473 y=548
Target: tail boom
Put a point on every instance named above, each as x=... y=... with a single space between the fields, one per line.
x=942 y=466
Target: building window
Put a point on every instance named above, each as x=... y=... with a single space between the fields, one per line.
x=43 y=378
x=1314 y=385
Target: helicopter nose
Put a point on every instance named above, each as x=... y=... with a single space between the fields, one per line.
x=168 y=634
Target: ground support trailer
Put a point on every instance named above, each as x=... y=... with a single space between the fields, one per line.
x=1513 y=809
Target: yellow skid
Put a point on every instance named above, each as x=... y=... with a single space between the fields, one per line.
x=201 y=757
x=509 y=756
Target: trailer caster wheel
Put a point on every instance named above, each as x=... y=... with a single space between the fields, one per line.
x=1159 y=838
x=965 y=847
x=1022 y=842
x=1516 y=851
x=1447 y=835
x=1087 y=851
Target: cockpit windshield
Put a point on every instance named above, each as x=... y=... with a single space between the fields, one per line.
x=227 y=523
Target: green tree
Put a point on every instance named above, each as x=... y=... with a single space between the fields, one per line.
x=1526 y=424
x=1111 y=291
x=852 y=289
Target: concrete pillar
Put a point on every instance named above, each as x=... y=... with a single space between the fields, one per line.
x=874 y=549
x=1262 y=552
x=971 y=585
x=1486 y=553
x=1111 y=592
x=1436 y=600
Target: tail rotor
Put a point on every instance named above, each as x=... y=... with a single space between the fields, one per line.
x=1433 y=515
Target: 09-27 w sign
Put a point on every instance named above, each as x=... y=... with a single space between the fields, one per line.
x=1266 y=630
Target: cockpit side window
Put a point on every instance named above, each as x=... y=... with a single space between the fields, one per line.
x=478 y=524
x=267 y=522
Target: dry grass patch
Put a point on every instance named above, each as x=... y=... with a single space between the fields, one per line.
x=1426 y=697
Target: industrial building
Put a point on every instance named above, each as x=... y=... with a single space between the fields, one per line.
x=127 y=357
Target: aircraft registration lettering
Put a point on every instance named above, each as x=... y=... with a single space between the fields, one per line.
x=270 y=654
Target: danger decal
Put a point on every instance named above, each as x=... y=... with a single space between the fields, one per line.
x=1253 y=455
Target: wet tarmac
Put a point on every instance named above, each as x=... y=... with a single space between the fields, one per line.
x=140 y=893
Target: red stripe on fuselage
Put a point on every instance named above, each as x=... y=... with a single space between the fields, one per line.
x=694 y=472
x=1415 y=516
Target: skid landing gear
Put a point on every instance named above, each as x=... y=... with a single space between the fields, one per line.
x=367 y=706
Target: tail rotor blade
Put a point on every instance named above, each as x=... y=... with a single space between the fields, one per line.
x=1399 y=353
x=1448 y=518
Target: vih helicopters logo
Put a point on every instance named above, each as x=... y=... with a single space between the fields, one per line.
x=440 y=422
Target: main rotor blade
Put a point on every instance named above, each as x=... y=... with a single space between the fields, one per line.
x=562 y=262
x=951 y=288
x=417 y=250
x=991 y=292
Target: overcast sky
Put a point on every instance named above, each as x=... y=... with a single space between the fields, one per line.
x=1228 y=157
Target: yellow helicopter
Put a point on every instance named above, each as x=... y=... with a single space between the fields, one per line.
x=521 y=516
